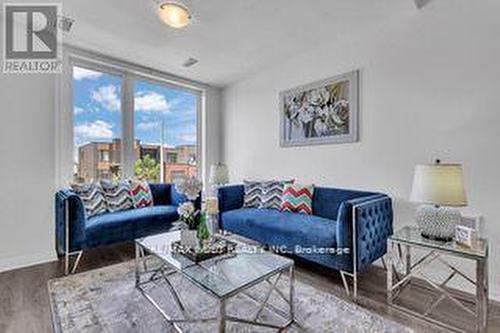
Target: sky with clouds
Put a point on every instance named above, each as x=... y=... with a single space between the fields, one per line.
x=98 y=118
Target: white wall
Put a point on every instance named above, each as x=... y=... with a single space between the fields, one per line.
x=212 y=138
x=27 y=169
x=430 y=85
x=28 y=165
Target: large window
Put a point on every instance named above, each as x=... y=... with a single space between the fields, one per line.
x=113 y=110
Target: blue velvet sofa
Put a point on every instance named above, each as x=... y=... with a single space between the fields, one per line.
x=351 y=226
x=76 y=233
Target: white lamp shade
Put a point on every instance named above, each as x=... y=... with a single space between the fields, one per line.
x=439 y=184
x=218 y=174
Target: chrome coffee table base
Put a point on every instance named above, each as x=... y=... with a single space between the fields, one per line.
x=162 y=274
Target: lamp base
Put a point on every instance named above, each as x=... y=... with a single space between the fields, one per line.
x=437 y=239
x=437 y=222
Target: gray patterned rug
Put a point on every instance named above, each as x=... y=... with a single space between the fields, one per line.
x=105 y=300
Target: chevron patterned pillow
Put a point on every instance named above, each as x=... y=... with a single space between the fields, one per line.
x=254 y=193
x=141 y=194
x=273 y=193
x=297 y=198
x=92 y=197
x=117 y=195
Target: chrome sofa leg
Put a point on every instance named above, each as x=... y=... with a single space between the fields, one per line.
x=355 y=287
x=383 y=263
x=354 y=293
x=77 y=261
x=344 y=281
x=66 y=263
x=67 y=257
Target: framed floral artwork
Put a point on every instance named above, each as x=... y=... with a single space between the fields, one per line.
x=322 y=112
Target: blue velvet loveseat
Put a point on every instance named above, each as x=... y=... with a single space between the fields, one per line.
x=347 y=231
x=76 y=233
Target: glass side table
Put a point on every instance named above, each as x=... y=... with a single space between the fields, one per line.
x=401 y=269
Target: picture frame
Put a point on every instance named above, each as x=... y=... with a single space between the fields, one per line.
x=474 y=222
x=466 y=236
x=468 y=230
x=322 y=112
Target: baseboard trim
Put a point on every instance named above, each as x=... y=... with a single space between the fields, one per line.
x=7 y=264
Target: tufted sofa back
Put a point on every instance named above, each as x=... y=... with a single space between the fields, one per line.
x=327 y=200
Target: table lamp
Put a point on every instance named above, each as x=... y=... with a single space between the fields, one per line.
x=440 y=189
x=218 y=174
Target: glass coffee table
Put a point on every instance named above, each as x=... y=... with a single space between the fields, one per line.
x=221 y=277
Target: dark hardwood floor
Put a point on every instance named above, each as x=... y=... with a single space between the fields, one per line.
x=24 y=301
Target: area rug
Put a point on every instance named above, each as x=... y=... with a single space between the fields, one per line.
x=105 y=300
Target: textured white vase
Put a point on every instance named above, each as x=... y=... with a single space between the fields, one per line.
x=437 y=222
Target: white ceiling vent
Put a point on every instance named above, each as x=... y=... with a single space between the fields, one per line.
x=190 y=62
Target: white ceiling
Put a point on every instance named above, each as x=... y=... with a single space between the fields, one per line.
x=231 y=38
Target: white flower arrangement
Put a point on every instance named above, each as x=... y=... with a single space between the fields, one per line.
x=191 y=187
x=188 y=214
x=186 y=210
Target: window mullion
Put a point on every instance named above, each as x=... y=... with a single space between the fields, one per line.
x=127 y=109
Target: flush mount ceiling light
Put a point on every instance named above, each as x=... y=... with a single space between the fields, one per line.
x=174 y=14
